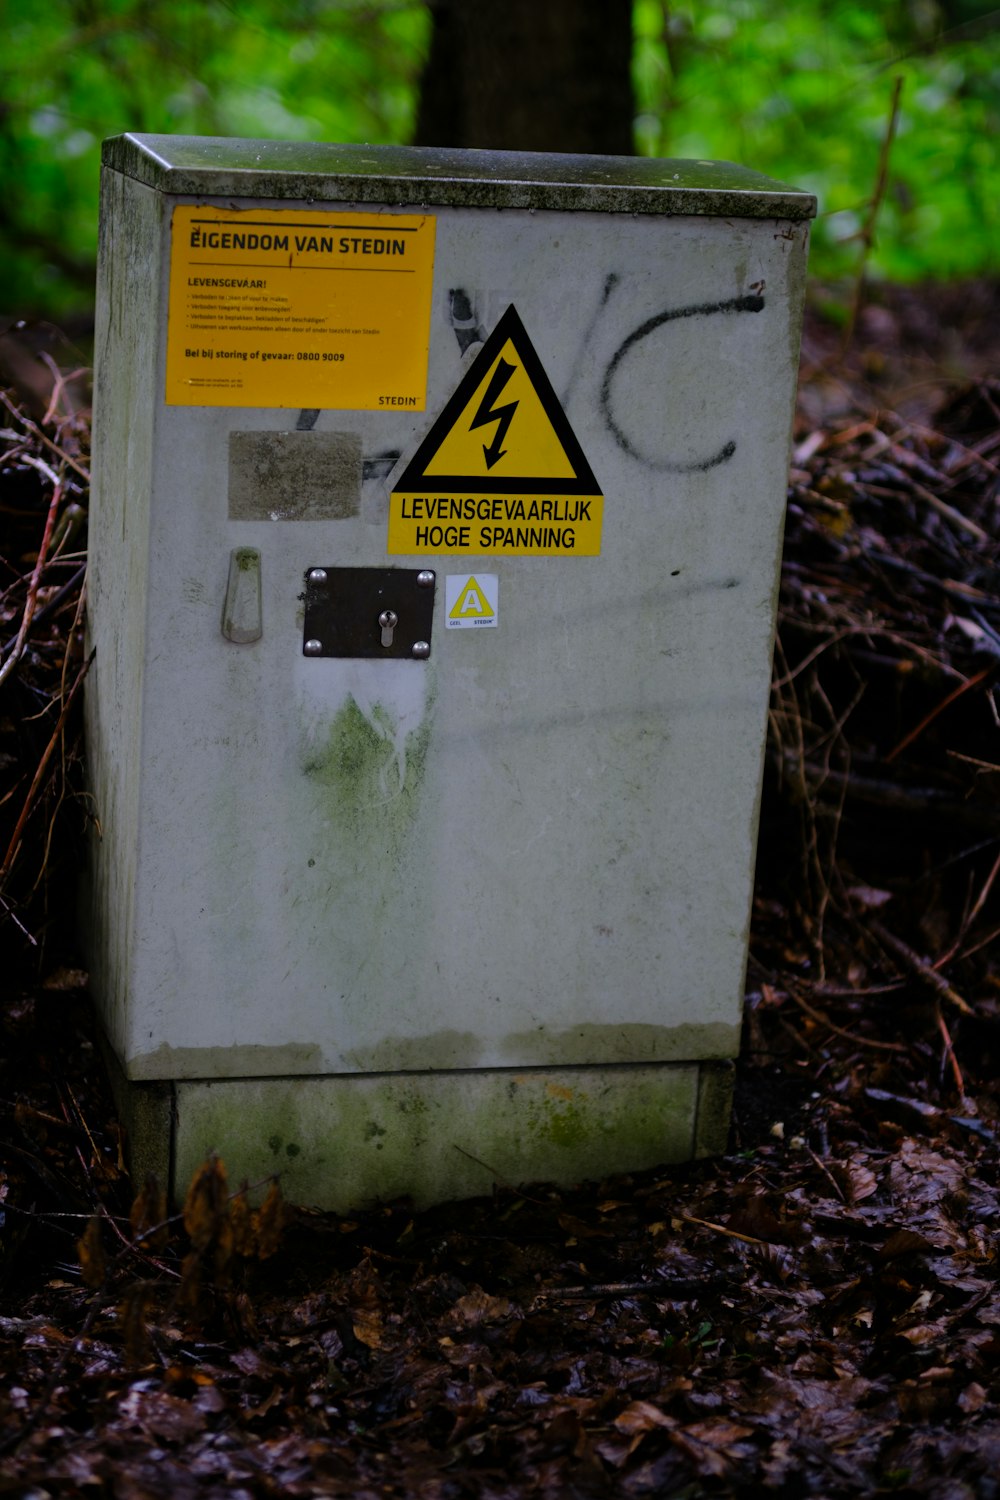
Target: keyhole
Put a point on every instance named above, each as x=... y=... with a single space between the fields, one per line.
x=388 y=620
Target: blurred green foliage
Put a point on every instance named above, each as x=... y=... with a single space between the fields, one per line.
x=803 y=91
x=799 y=91
x=73 y=72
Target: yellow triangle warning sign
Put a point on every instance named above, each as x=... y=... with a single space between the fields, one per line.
x=500 y=470
x=471 y=602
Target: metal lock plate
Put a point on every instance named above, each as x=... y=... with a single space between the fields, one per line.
x=382 y=613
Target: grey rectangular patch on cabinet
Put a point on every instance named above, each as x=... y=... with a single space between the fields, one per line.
x=294 y=476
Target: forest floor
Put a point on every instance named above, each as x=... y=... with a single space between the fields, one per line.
x=818 y=1312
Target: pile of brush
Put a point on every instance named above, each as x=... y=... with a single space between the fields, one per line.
x=880 y=835
x=44 y=481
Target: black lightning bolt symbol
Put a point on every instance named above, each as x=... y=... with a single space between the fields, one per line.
x=502 y=415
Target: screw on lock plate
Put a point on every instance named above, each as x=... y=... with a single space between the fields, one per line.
x=382 y=614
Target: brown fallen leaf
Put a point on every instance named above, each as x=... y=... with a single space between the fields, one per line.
x=923 y=1334
x=133 y=1315
x=755 y=1220
x=66 y=979
x=905 y=1242
x=249 y=1362
x=90 y=1249
x=933 y=1173
x=926 y=1398
x=642 y=1416
x=616 y=1448
x=909 y=1112
x=857 y=1180
x=206 y=1212
x=148 y=1217
x=367 y=1325
x=166 y=1417
x=269 y=1222
x=241 y=1221
x=718 y=1432
x=478 y=1307
x=972 y=1399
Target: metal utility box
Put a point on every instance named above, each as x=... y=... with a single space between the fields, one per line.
x=437 y=513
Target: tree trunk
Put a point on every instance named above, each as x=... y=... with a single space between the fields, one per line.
x=529 y=75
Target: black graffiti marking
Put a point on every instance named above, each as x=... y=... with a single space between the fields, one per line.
x=380 y=465
x=463 y=319
x=697 y=310
x=307 y=419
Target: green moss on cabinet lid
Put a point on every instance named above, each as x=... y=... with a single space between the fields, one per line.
x=222 y=166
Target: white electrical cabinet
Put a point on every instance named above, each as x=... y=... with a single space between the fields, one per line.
x=436 y=522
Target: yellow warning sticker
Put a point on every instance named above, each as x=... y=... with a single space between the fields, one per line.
x=471 y=600
x=500 y=471
x=295 y=307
